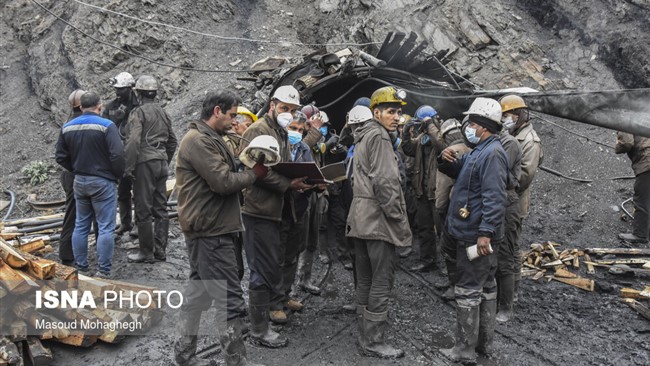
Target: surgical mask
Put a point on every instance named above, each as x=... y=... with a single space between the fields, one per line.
x=284 y=119
x=294 y=137
x=508 y=123
x=470 y=133
x=324 y=130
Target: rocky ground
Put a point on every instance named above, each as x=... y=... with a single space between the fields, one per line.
x=560 y=44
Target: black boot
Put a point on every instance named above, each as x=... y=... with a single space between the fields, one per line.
x=467 y=327
x=161 y=236
x=425 y=266
x=185 y=345
x=145 y=254
x=361 y=340
x=515 y=297
x=374 y=329
x=232 y=344
x=506 y=297
x=487 y=314
x=126 y=219
x=451 y=275
x=304 y=276
x=258 y=305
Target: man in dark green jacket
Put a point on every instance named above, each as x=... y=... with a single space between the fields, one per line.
x=209 y=213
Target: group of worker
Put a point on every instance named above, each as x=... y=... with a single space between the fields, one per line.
x=465 y=185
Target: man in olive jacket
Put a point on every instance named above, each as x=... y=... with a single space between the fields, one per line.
x=638 y=150
x=377 y=220
x=209 y=185
x=262 y=212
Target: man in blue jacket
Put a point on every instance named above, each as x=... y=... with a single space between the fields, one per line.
x=91 y=148
x=475 y=220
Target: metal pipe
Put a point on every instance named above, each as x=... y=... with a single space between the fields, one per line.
x=12 y=203
x=41 y=227
x=625 y=210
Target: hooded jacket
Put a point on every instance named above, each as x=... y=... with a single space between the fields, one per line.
x=637 y=149
x=481 y=177
x=208 y=184
x=425 y=166
x=378 y=209
x=531 y=158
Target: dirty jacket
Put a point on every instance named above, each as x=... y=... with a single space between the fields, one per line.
x=378 y=209
x=91 y=145
x=264 y=199
x=119 y=112
x=208 y=184
x=513 y=153
x=531 y=157
x=425 y=165
x=637 y=149
x=481 y=177
x=445 y=184
x=150 y=136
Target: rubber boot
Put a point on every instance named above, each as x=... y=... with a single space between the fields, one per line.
x=374 y=329
x=467 y=328
x=361 y=340
x=451 y=275
x=126 y=217
x=506 y=297
x=258 y=312
x=185 y=345
x=232 y=344
x=161 y=236
x=307 y=260
x=145 y=254
x=515 y=297
x=487 y=314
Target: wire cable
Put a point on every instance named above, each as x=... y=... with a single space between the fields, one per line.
x=222 y=37
x=134 y=54
x=571 y=132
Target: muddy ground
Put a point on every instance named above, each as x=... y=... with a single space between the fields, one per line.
x=562 y=44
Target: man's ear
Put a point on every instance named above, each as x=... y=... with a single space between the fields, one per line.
x=217 y=111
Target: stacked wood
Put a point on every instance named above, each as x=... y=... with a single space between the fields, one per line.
x=543 y=258
x=20 y=273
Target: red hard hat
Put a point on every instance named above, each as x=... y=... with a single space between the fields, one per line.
x=309 y=110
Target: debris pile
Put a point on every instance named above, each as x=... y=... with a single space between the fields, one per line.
x=22 y=274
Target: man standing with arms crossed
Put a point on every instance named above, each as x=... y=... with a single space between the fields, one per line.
x=209 y=213
x=377 y=219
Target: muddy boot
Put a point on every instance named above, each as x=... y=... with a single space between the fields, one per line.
x=487 y=321
x=145 y=254
x=232 y=344
x=126 y=219
x=467 y=327
x=374 y=329
x=451 y=275
x=258 y=311
x=161 y=231
x=304 y=283
x=506 y=297
x=515 y=296
x=185 y=345
x=361 y=340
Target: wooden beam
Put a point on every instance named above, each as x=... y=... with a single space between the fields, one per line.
x=12 y=280
x=18 y=331
x=94 y=286
x=42 y=269
x=8 y=351
x=11 y=256
x=630 y=251
x=590 y=267
x=581 y=283
x=78 y=339
x=561 y=272
x=640 y=308
x=32 y=246
x=638 y=261
x=551 y=247
x=631 y=293
x=38 y=354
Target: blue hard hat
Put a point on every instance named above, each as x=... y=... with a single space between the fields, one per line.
x=425 y=111
x=362 y=101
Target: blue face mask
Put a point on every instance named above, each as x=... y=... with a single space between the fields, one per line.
x=425 y=140
x=294 y=137
x=324 y=130
x=470 y=133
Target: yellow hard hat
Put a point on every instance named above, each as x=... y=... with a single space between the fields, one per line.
x=245 y=111
x=387 y=94
x=511 y=102
x=404 y=119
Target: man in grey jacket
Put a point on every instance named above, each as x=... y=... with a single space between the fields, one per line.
x=377 y=220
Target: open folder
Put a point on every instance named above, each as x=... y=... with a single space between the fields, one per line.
x=326 y=175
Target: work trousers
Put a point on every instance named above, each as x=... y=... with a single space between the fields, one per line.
x=426 y=228
x=376 y=261
x=475 y=279
x=213 y=277
x=336 y=219
x=124 y=201
x=293 y=236
x=508 y=254
x=641 y=226
x=263 y=253
x=149 y=191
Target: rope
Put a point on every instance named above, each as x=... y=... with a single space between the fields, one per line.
x=222 y=37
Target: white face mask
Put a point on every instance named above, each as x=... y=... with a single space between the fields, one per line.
x=508 y=123
x=470 y=133
x=284 y=119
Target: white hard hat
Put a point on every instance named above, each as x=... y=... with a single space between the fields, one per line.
x=486 y=107
x=359 y=114
x=324 y=117
x=123 y=80
x=261 y=145
x=287 y=94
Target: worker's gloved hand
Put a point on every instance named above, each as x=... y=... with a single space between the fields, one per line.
x=260 y=170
